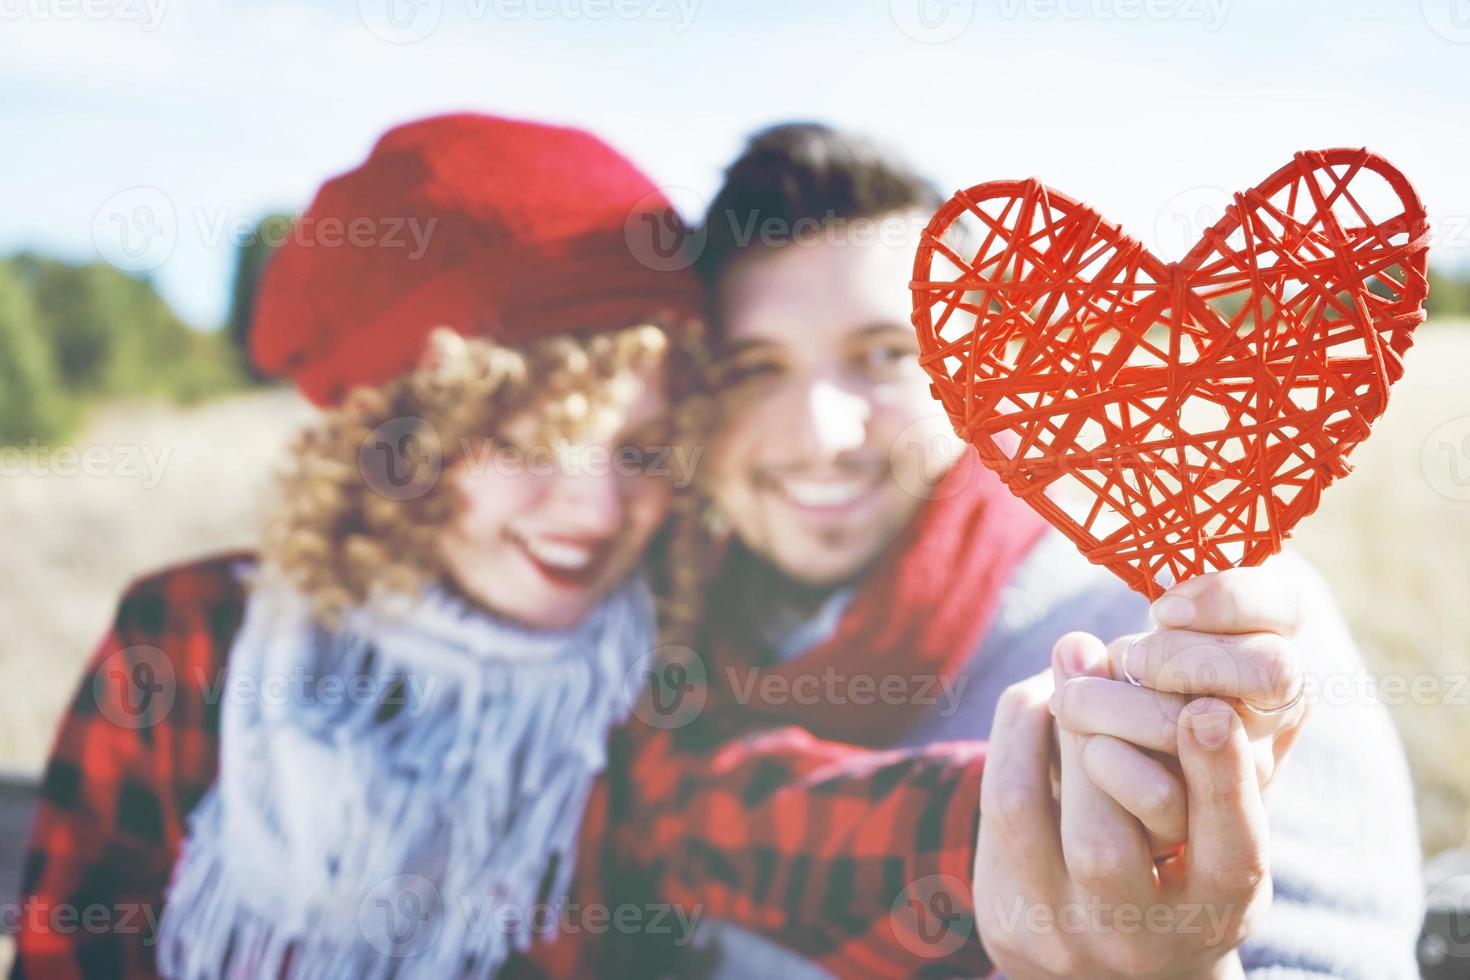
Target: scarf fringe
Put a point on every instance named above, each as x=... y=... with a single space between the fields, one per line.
x=332 y=826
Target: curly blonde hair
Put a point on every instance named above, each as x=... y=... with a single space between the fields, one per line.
x=340 y=536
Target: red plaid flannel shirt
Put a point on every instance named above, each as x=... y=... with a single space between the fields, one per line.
x=856 y=859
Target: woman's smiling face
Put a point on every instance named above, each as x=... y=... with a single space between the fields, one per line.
x=545 y=530
x=816 y=464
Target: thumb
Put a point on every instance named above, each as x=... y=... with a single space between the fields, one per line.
x=1228 y=836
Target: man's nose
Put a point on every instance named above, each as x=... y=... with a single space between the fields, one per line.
x=830 y=419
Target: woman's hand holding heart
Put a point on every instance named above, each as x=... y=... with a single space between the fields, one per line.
x=1228 y=636
x=1091 y=778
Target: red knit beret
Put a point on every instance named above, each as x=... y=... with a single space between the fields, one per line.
x=496 y=227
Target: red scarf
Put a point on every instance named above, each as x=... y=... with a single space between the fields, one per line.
x=918 y=615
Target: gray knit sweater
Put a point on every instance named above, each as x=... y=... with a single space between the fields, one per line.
x=1344 y=846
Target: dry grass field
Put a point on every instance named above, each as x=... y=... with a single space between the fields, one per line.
x=181 y=482
x=1392 y=539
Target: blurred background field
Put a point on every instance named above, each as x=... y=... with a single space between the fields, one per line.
x=1393 y=540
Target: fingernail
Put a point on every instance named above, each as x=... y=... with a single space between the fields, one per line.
x=1074 y=659
x=1174 y=611
x=1211 y=725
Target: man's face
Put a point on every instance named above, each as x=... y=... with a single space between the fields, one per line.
x=830 y=432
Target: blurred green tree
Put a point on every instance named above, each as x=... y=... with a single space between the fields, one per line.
x=111 y=335
x=86 y=333
x=31 y=402
x=1449 y=294
x=269 y=233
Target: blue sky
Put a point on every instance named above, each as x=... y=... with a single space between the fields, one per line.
x=213 y=112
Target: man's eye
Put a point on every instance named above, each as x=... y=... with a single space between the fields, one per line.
x=737 y=372
x=884 y=358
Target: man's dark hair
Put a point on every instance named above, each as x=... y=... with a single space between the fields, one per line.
x=805 y=173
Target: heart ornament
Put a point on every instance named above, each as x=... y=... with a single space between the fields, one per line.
x=1174 y=418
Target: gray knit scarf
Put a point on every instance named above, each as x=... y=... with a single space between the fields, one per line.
x=410 y=807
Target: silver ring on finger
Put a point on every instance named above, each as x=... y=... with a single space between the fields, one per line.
x=1279 y=709
x=1127 y=651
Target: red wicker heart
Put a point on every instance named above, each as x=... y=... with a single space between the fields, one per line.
x=1173 y=419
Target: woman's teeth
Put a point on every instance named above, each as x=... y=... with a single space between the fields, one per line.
x=558 y=555
x=811 y=493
